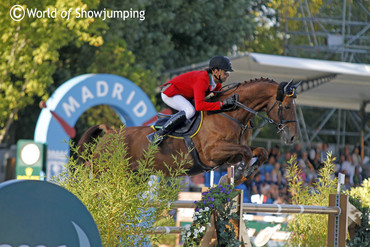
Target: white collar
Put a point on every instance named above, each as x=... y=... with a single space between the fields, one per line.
x=212 y=84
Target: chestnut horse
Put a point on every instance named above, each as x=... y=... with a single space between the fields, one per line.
x=222 y=136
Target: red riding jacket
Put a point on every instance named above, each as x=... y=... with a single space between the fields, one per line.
x=194 y=85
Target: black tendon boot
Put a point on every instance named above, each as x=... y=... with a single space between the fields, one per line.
x=171 y=124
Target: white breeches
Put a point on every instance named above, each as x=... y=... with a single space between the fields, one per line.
x=179 y=103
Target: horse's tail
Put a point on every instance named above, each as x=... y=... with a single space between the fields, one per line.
x=90 y=136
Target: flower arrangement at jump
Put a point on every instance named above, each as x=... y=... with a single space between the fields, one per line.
x=219 y=202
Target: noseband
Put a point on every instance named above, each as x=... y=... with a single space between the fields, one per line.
x=282 y=122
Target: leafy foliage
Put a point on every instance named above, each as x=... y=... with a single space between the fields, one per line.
x=360 y=198
x=310 y=229
x=362 y=193
x=177 y=33
x=267 y=36
x=124 y=204
x=219 y=201
x=29 y=52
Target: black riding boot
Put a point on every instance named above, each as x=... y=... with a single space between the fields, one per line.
x=171 y=124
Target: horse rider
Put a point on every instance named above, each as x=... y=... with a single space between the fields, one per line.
x=194 y=85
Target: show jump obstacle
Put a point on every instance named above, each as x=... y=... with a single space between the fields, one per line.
x=341 y=213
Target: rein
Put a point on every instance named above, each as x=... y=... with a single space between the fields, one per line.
x=280 y=126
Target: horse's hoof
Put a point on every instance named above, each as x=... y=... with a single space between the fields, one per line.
x=252 y=170
x=238 y=173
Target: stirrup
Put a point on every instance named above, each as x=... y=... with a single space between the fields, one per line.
x=155 y=139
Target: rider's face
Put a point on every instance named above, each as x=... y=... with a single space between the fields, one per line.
x=222 y=74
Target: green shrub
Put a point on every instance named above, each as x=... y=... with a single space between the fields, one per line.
x=121 y=201
x=360 y=198
x=310 y=229
x=361 y=193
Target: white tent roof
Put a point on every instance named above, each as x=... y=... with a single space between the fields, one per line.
x=331 y=84
x=326 y=83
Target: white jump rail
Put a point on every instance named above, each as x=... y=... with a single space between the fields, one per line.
x=166 y=230
x=271 y=208
x=289 y=209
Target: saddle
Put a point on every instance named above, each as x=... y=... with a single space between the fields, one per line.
x=186 y=131
x=188 y=128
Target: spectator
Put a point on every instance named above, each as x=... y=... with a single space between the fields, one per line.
x=267 y=180
x=275 y=152
x=317 y=162
x=197 y=182
x=301 y=174
x=347 y=183
x=337 y=164
x=269 y=165
x=311 y=186
x=311 y=152
x=346 y=151
x=298 y=150
x=276 y=173
x=266 y=194
x=324 y=151
x=307 y=167
x=281 y=182
x=348 y=168
x=257 y=184
x=274 y=191
x=356 y=158
x=319 y=151
x=279 y=200
x=285 y=158
x=357 y=178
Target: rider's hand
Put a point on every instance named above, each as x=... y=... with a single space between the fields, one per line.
x=229 y=102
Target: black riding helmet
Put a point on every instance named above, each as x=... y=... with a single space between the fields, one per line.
x=220 y=62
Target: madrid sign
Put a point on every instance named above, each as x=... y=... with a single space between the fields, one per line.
x=56 y=122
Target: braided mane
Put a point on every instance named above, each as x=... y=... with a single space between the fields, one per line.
x=255 y=80
x=235 y=86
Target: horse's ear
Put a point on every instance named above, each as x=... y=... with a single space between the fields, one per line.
x=297 y=84
x=287 y=88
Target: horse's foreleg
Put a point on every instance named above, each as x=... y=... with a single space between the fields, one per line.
x=244 y=172
x=232 y=154
x=227 y=153
x=260 y=153
x=262 y=157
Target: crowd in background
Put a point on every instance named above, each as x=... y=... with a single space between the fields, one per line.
x=270 y=181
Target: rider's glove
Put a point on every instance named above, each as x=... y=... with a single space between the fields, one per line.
x=229 y=103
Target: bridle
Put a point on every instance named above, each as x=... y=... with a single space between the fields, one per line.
x=282 y=122
x=279 y=125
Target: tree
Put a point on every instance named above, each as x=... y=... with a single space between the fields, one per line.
x=178 y=33
x=267 y=37
x=29 y=51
